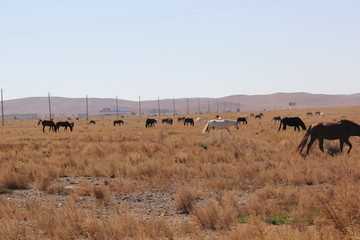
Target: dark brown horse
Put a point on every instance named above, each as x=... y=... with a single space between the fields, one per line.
x=48 y=123
x=341 y=130
x=65 y=125
x=118 y=122
x=189 y=121
x=295 y=122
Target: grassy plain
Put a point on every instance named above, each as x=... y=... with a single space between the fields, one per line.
x=174 y=182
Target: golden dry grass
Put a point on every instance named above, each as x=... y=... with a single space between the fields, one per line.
x=249 y=184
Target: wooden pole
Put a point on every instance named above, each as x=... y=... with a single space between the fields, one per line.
x=117 y=109
x=87 y=109
x=198 y=106
x=158 y=106
x=2 y=109
x=174 y=105
x=49 y=107
x=187 y=104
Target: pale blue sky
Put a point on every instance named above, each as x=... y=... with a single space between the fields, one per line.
x=178 y=49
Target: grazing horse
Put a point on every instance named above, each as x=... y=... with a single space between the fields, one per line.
x=48 y=123
x=119 y=122
x=181 y=119
x=150 y=122
x=220 y=124
x=189 y=121
x=277 y=118
x=258 y=116
x=309 y=114
x=167 y=120
x=295 y=122
x=65 y=125
x=242 y=119
x=341 y=130
x=92 y=122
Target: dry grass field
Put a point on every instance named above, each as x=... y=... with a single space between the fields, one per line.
x=174 y=182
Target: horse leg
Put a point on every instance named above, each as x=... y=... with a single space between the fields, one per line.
x=43 y=128
x=349 y=144
x=321 y=144
x=312 y=140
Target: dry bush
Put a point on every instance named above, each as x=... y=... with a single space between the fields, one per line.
x=84 y=189
x=340 y=207
x=185 y=199
x=217 y=215
x=102 y=195
x=59 y=188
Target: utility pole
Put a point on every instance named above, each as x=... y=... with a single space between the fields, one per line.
x=158 y=106
x=198 y=106
x=2 y=108
x=139 y=107
x=87 y=109
x=49 y=107
x=117 y=109
x=187 y=105
x=174 y=105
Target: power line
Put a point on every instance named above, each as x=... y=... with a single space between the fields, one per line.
x=141 y=18
x=29 y=4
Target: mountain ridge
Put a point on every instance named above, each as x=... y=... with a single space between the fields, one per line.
x=239 y=102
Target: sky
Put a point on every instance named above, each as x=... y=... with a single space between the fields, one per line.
x=178 y=49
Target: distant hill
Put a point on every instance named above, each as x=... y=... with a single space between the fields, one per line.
x=61 y=106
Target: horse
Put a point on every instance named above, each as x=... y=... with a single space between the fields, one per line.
x=92 y=122
x=181 y=119
x=150 y=122
x=48 y=123
x=220 y=124
x=258 y=116
x=65 y=125
x=189 y=121
x=167 y=120
x=199 y=119
x=277 y=118
x=309 y=114
x=119 y=122
x=341 y=130
x=242 y=119
x=295 y=122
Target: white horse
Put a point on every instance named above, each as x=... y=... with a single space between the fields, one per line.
x=220 y=124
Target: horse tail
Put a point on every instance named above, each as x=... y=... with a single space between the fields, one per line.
x=304 y=140
x=206 y=129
